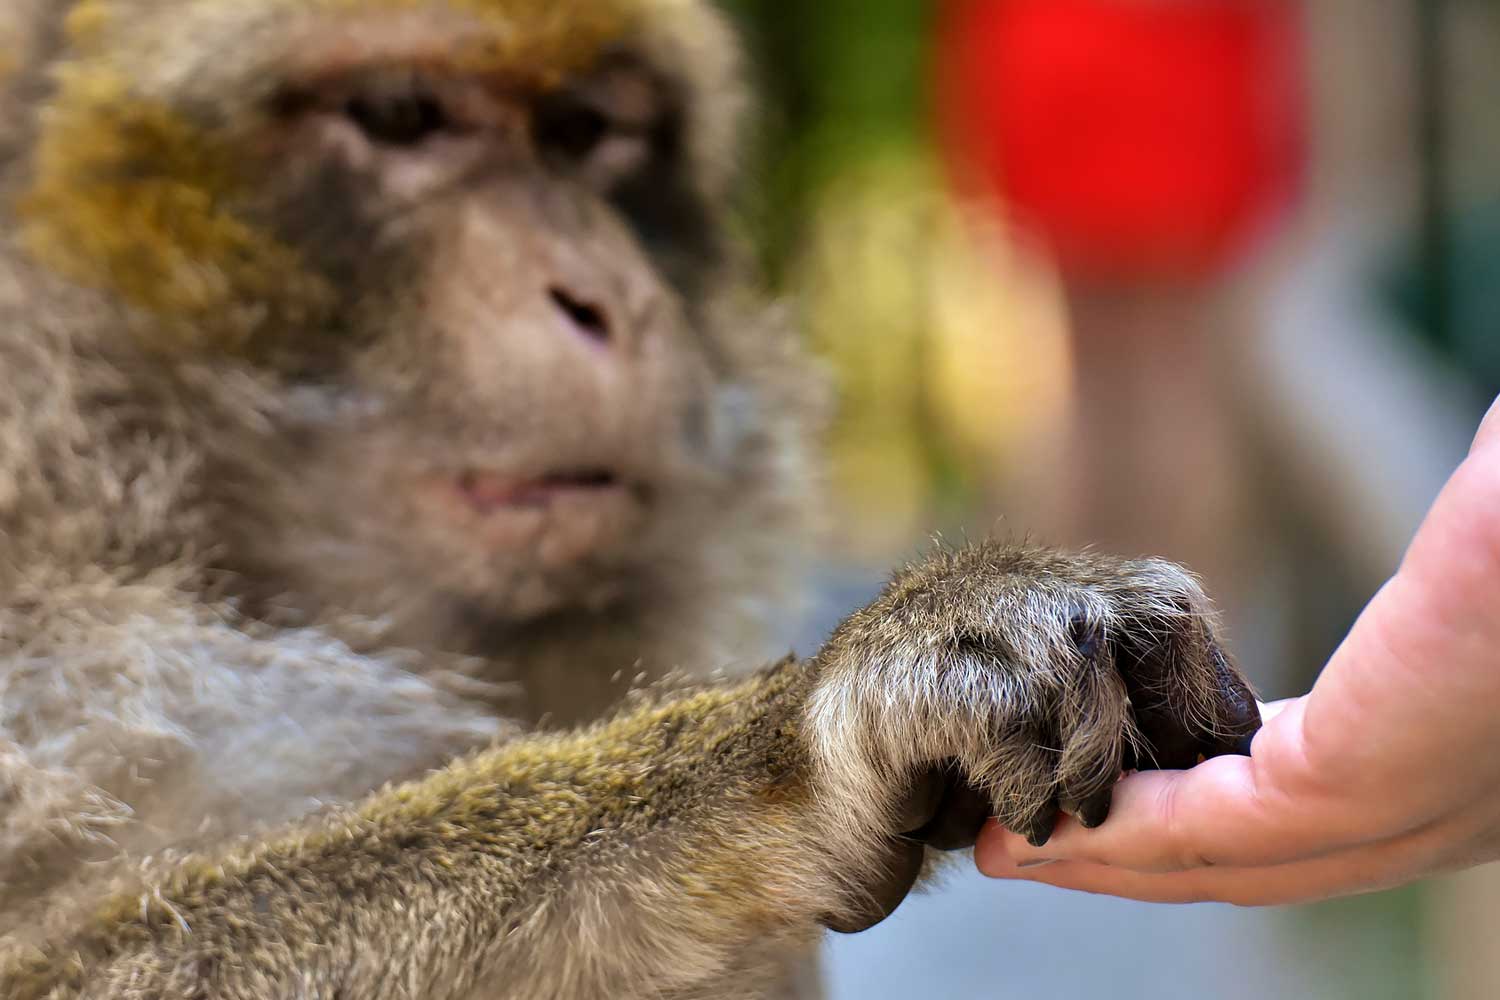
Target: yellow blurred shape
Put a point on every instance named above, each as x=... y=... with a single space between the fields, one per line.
x=948 y=339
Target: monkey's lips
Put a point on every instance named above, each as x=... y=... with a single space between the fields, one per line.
x=556 y=520
x=552 y=520
x=489 y=493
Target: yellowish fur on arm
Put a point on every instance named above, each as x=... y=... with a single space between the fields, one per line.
x=525 y=847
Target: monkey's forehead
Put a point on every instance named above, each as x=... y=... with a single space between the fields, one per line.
x=182 y=46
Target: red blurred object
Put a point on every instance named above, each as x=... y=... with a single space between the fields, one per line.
x=1143 y=139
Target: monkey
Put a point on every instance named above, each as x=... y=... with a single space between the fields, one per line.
x=398 y=468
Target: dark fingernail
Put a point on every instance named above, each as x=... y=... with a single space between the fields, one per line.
x=1242 y=746
x=1026 y=866
x=1095 y=809
x=1039 y=830
x=1238 y=697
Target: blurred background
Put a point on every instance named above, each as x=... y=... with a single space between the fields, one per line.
x=1214 y=279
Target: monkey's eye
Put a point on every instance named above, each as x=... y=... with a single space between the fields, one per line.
x=569 y=127
x=398 y=119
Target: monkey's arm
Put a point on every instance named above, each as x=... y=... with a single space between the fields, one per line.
x=670 y=851
x=647 y=853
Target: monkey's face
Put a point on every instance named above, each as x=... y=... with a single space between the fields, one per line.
x=463 y=243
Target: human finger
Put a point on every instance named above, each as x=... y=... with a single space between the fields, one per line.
x=1362 y=869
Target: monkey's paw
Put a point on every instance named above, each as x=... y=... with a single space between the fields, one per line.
x=1013 y=682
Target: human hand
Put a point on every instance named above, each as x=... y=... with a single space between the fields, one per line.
x=1388 y=771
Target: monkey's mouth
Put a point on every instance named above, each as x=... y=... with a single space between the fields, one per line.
x=488 y=492
x=554 y=521
x=485 y=492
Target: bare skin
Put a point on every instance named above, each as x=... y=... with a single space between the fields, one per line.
x=1352 y=788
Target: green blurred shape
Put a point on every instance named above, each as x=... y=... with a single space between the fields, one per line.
x=1469 y=336
x=840 y=81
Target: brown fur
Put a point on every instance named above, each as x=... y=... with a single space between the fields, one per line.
x=249 y=575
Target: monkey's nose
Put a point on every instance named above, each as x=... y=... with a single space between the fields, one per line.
x=584 y=316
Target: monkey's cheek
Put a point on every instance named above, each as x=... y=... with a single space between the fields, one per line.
x=893 y=876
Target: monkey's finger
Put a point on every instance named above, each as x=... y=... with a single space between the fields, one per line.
x=1188 y=713
x=892 y=880
x=1237 y=712
x=959 y=818
x=1097 y=717
x=1035 y=823
x=921 y=800
x=1223 y=723
x=1038 y=829
x=1094 y=810
x=1025 y=793
x=1154 y=688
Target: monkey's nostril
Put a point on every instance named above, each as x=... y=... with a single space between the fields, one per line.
x=588 y=318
